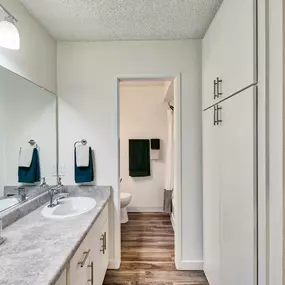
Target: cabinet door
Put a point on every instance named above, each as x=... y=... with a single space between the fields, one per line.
x=238 y=45
x=211 y=53
x=79 y=271
x=102 y=254
x=62 y=279
x=211 y=198
x=238 y=189
x=229 y=50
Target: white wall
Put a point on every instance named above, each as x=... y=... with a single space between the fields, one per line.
x=87 y=84
x=143 y=116
x=36 y=59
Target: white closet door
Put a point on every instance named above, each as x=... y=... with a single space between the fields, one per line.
x=211 y=198
x=229 y=50
x=238 y=44
x=238 y=189
x=211 y=54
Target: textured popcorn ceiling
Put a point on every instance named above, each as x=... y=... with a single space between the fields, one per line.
x=78 y=20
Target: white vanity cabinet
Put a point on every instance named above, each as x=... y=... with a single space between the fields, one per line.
x=89 y=264
x=62 y=279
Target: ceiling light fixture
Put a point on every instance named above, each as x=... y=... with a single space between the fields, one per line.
x=9 y=34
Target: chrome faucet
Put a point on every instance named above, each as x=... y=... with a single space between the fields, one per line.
x=52 y=192
x=59 y=182
x=56 y=190
x=43 y=184
x=22 y=192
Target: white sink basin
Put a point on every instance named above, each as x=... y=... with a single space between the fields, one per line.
x=69 y=207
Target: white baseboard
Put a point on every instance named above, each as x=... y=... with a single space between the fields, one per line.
x=190 y=265
x=113 y=264
x=145 y=209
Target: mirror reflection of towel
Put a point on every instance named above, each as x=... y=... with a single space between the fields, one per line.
x=32 y=173
x=26 y=156
x=84 y=174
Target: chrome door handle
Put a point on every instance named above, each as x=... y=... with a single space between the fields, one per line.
x=82 y=263
x=91 y=266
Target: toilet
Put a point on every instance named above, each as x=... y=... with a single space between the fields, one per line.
x=125 y=199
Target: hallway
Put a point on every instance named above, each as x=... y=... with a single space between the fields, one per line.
x=148 y=254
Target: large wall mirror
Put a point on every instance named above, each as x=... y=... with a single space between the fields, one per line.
x=28 y=139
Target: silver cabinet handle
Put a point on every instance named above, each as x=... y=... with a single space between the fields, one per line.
x=85 y=253
x=103 y=239
x=215 y=88
x=219 y=119
x=215 y=117
x=219 y=93
x=91 y=266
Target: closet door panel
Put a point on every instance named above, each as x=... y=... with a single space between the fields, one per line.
x=238 y=45
x=211 y=199
x=229 y=50
x=211 y=50
x=238 y=189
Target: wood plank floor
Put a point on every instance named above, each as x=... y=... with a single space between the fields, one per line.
x=148 y=254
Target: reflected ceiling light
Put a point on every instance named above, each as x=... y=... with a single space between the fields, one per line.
x=9 y=34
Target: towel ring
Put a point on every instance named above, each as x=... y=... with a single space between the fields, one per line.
x=83 y=141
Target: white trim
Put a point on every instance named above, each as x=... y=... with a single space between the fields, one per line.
x=177 y=171
x=114 y=264
x=262 y=155
x=177 y=166
x=190 y=265
x=145 y=209
x=275 y=143
x=172 y=221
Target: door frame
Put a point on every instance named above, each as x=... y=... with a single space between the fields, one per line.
x=177 y=165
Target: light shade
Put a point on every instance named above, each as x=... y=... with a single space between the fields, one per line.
x=9 y=35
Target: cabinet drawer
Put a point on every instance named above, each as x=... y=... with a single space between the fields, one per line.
x=79 y=265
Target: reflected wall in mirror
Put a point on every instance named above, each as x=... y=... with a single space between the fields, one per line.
x=27 y=112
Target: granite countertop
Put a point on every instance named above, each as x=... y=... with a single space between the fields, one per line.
x=38 y=249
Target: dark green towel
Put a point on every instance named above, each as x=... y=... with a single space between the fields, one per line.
x=139 y=158
x=31 y=174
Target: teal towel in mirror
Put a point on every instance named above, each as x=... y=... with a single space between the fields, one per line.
x=84 y=174
x=32 y=173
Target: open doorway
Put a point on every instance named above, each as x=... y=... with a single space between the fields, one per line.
x=150 y=181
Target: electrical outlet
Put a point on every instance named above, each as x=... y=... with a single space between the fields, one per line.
x=54 y=173
x=62 y=169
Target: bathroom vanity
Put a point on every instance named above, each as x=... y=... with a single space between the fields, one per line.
x=67 y=251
